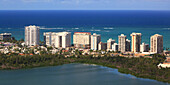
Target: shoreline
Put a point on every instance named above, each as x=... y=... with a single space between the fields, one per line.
x=90 y=62
x=112 y=67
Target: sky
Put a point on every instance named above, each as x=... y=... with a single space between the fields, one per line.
x=84 y=4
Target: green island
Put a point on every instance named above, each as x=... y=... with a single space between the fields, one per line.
x=139 y=67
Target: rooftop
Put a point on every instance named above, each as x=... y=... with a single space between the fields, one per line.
x=110 y=40
x=157 y=35
x=122 y=35
x=87 y=33
x=5 y=34
x=135 y=34
x=32 y=26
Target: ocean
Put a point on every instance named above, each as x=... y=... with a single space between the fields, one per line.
x=108 y=23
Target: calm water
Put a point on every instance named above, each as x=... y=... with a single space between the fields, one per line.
x=72 y=74
x=109 y=24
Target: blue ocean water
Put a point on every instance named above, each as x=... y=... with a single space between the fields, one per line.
x=108 y=23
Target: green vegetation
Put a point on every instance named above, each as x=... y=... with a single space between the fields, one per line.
x=140 y=67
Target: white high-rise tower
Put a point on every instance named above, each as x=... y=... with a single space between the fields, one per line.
x=32 y=36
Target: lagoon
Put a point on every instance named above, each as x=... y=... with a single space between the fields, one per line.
x=72 y=74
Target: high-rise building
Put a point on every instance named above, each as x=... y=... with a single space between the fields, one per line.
x=128 y=45
x=102 y=46
x=136 y=41
x=115 y=47
x=122 y=43
x=5 y=36
x=144 y=47
x=82 y=40
x=95 y=40
x=59 y=40
x=110 y=42
x=49 y=38
x=32 y=36
x=156 y=42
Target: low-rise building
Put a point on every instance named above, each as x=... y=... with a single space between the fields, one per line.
x=165 y=64
x=5 y=36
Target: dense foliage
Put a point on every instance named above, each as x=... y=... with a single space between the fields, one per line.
x=140 y=67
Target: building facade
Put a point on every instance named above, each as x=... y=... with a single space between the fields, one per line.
x=136 y=41
x=122 y=43
x=5 y=36
x=58 y=40
x=82 y=40
x=156 y=42
x=95 y=40
x=128 y=45
x=102 y=46
x=49 y=38
x=110 y=42
x=32 y=36
x=115 y=47
x=144 y=47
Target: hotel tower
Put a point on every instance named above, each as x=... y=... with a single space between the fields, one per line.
x=122 y=43
x=32 y=36
x=59 y=40
x=110 y=42
x=136 y=41
x=156 y=43
x=95 y=40
x=82 y=40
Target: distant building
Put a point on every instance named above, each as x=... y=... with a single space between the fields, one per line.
x=136 y=41
x=156 y=42
x=115 y=47
x=59 y=40
x=110 y=42
x=128 y=45
x=144 y=47
x=122 y=43
x=102 y=46
x=82 y=40
x=5 y=36
x=32 y=36
x=95 y=40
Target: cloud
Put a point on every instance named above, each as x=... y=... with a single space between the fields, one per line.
x=86 y=4
x=30 y=1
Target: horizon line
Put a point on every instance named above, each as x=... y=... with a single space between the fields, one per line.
x=75 y=10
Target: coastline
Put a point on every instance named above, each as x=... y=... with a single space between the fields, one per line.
x=94 y=61
x=94 y=64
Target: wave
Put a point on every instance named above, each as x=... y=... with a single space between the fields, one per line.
x=95 y=30
x=76 y=28
x=51 y=28
x=69 y=30
x=106 y=31
x=108 y=28
x=166 y=28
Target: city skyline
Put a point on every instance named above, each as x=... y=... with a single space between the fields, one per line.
x=86 y=40
x=84 y=5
